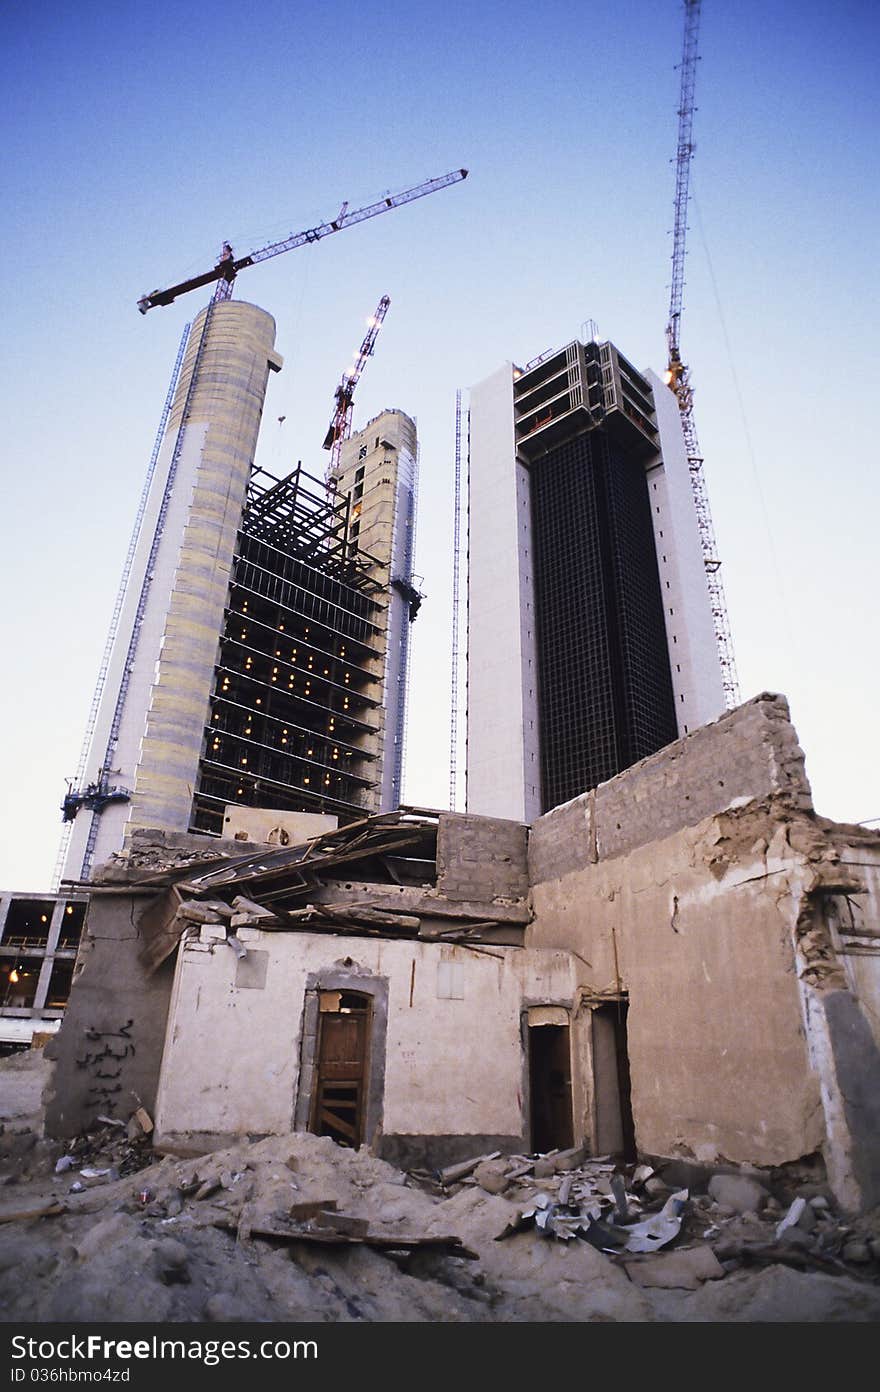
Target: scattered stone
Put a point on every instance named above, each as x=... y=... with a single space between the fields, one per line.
x=807 y=1218
x=103 y=1236
x=544 y=1168
x=221 y=1308
x=208 y=1187
x=172 y=1259
x=565 y=1160
x=856 y=1251
x=737 y=1192
x=453 y=1174
x=491 y=1175
x=686 y=1269
x=658 y=1190
x=795 y=1237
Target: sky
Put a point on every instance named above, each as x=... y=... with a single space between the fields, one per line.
x=138 y=138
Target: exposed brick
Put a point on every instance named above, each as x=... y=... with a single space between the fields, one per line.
x=751 y=752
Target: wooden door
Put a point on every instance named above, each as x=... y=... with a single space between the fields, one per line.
x=338 y=1107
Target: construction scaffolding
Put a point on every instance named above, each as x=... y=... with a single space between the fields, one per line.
x=292 y=721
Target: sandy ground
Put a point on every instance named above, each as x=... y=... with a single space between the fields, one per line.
x=180 y=1240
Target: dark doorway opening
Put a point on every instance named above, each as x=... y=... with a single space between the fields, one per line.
x=550 y=1087
x=339 y=1099
x=615 y=1131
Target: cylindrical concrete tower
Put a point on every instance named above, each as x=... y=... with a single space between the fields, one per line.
x=149 y=729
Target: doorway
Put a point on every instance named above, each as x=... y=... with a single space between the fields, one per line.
x=340 y=1093
x=614 y=1128
x=550 y=1087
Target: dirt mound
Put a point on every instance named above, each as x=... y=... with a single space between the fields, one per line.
x=298 y=1228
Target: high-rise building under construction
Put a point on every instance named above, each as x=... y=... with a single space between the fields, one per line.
x=591 y=641
x=261 y=641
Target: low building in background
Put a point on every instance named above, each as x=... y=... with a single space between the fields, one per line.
x=39 y=941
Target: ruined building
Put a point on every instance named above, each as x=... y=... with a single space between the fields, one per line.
x=590 y=635
x=682 y=963
x=260 y=657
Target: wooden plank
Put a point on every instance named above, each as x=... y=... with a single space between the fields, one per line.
x=23 y=1215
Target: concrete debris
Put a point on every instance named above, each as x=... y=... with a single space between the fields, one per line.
x=686 y=1269
x=297 y=1228
x=491 y=1175
x=242 y=905
x=194 y=912
x=453 y=1173
x=797 y=1208
x=737 y=1192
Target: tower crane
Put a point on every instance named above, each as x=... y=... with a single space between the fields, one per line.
x=228 y=266
x=677 y=373
x=339 y=428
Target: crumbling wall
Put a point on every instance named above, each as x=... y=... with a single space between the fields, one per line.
x=453 y=1080
x=747 y=1041
x=751 y=752
x=481 y=858
x=718 y=1062
x=108 y=1051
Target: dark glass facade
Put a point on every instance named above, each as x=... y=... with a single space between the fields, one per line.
x=605 y=690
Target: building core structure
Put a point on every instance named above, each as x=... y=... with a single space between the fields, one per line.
x=260 y=657
x=591 y=642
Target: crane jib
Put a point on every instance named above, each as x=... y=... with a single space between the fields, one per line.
x=312 y=234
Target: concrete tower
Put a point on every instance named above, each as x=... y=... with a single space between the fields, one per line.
x=378 y=470
x=260 y=664
x=590 y=634
x=148 y=733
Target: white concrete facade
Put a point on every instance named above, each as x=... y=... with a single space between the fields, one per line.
x=694 y=661
x=503 y=770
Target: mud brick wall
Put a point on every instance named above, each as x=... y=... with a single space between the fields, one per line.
x=481 y=858
x=752 y=752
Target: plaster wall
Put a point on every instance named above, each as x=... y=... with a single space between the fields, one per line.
x=718 y=1060
x=453 y=1047
x=743 y=938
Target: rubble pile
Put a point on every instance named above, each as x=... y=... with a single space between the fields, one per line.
x=298 y=1228
x=631 y=1210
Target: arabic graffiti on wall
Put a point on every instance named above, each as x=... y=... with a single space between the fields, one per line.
x=104 y=1063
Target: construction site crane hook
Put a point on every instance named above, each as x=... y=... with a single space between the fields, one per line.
x=228 y=267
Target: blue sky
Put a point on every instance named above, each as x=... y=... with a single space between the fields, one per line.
x=137 y=138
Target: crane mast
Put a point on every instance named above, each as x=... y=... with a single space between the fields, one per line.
x=227 y=267
x=456 y=605
x=677 y=373
x=339 y=429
